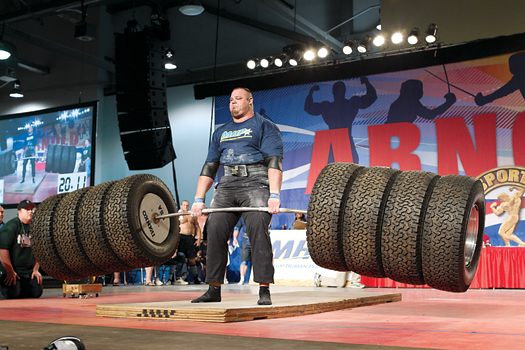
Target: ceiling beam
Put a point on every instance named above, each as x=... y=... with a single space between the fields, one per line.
x=301 y=23
x=60 y=49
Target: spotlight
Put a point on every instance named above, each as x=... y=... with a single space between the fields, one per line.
x=397 y=38
x=379 y=40
x=413 y=38
x=323 y=51
x=349 y=47
x=279 y=61
x=252 y=64
x=16 y=92
x=169 y=63
x=85 y=31
x=309 y=54
x=6 y=50
x=365 y=43
x=378 y=26
x=431 y=33
x=266 y=62
x=295 y=58
x=191 y=8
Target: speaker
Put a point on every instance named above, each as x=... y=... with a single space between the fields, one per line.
x=144 y=126
x=141 y=99
x=150 y=159
x=146 y=140
x=145 y=119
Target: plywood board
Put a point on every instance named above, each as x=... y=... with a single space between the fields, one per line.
x=245 y=308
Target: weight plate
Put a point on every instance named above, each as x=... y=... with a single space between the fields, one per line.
x=151 y=205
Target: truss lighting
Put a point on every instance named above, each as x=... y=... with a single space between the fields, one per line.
x=349 y=47
x=431 y=33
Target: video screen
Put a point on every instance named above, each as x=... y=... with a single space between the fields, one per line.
x=46 y=152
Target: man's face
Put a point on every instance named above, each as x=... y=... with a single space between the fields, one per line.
x=1 y=213
x=185 y=206
x=25 y=215
x=240 y=103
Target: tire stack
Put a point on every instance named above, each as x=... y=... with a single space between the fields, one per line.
x=61 y=159
x=98 y=230
x=414 y=227
x=7 y=163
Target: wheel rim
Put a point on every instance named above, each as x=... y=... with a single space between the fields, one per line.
x=155 y=230
x=471 y=235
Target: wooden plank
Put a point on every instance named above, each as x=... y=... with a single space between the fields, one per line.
x=245 y=308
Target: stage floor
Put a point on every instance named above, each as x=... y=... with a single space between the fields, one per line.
x=423 y=319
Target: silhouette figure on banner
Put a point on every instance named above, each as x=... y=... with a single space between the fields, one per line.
x=341 y=113
x=517 y=82
x=511 y=205
x=407 y=107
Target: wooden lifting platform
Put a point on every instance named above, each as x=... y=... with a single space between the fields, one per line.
x=245 y=308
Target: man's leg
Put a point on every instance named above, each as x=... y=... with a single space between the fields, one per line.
x=220 y=225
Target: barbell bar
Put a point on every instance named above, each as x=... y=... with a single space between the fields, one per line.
x=234 y=209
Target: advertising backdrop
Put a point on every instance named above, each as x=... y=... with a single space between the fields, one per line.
x=462 y=118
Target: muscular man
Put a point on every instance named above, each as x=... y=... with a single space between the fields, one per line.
x=341 y=113
x=511 y=205
x=251 y=149
x=19 y=276
x=29 y=154
x=1 y=216
x=190 y=240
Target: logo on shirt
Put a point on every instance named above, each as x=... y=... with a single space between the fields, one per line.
x=235 y=135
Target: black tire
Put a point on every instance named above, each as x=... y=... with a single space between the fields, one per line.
x=122 y=222
x=453 y=233
x=50 y=154
x=363 y=220
x=11 y=162
x=67 y=236
x=72 y=159
x=57 y=158
x=91 y=230
x=403 y=226
x=325 y=209
x=3 y=171
x=42 y=242
x=64 y=160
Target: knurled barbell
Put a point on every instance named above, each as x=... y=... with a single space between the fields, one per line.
x=414 y=227
x=155 y=216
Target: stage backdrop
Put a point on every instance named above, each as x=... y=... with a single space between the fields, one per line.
x=462 y=118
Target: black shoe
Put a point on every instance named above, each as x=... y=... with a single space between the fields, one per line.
x=212 y=295
x=196 y=280
x=23 y=180
x=264 y=296
x=33 y=180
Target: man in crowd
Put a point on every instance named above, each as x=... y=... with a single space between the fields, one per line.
x=190 y=240
x=19 y=276
x=1 y=216
x=250 y=147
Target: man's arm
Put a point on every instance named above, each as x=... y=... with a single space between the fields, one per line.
x=36 y=274
x=275 y=177
x=198 y=232
x=495 y=209
x=11 y=275
x=203 y=186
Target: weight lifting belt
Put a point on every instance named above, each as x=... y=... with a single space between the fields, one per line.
x=245 y=170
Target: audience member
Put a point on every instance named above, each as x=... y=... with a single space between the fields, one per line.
x=299 y=223
x=339 y=281
x=153 y=276
x=1 y=216
x=19 y=276
x=246 y=248
x=190 y=239
x=178 y=269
